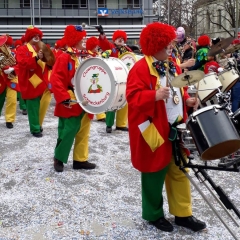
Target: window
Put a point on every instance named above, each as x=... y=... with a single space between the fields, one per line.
x=133 y=3
x=25 y=3
x=46 y=3
x=74 y=3
x=4 y=4
x=102 y=3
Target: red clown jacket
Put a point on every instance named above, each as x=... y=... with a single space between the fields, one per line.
x=140 y=94
x=61 y=85
x=30 y=73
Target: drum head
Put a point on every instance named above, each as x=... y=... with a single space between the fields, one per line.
x=95 y=83
x=129 y=59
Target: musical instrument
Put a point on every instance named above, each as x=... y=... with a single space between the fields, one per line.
x=48 y=56
x=213 y=132
x=187 y=78
x=220 y=46
x=130 y=59
x=231 y=49
x=6 y=57
x=208 y=86
x=100 y=84
x=228 y=77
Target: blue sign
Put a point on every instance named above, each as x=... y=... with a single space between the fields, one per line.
x=102 y=12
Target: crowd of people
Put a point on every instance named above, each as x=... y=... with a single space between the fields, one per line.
x=154 y=108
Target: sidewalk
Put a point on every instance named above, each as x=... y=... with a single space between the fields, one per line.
x=37 y=203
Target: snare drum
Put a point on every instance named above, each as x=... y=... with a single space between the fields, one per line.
x=130 y=59
x=208 y=86
x=228 y=78
x=100 y=84
x=213 y=132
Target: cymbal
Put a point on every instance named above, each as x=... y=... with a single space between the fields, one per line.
x=232 y=49
x=188 y=78
x=48 y=56
x=220 y=46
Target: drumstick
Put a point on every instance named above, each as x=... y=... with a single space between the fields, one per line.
x=196 y=96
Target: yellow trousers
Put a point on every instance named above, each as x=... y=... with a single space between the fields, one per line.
x=11 y=105
x=44 y=104
x=178 y=191
x=121 y=118
x=80 y=150
x=100 y=116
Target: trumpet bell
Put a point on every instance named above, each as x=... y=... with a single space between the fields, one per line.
x=48 y=56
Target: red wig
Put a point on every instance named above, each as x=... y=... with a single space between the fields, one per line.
x=23 y=39
x=204 y=40
x=92 y=43
x=18 y=43
x=156 y=36
x=9 y=41
x=57 y=44
x=119 y=34
x=236 y=41
x=31 y=32
x=74 y=34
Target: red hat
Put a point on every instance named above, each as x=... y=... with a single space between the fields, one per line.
x=9 y=41
x=74 y=34
x=31 y=32
x=92 y=43
x=236 y=41
x=204 y=40
x=18 y=43
x=156 y=36
x=23 y=39
x=118 y=34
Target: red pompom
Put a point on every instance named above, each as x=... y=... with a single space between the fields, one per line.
x=204 y=40
x=156 y=36
x=31 y=32
x=92 y=43
x=119 y=34
x=74 y=34
x=9 y=41
x=18 y=43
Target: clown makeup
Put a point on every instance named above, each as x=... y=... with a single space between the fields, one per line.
x=119 y=41
x=82 y=44
x=36 y=39
x=169 y=49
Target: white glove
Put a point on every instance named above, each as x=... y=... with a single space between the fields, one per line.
x=220 y=69
x=9 y=70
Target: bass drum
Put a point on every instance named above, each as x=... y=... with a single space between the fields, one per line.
x=213 y=132
x=100 y=84
x=130 y=59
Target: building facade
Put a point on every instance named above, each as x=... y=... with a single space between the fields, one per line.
x=53 y=15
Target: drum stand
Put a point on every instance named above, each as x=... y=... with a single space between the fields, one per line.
x=202 y=176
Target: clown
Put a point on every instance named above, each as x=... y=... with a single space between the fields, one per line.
x=115 y=49
x=95 y=87
x=153 y=111
x=74 y=122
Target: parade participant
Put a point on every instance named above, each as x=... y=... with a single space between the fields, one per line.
x=22 y=103
x=115 y=49
x=58 y=48
x=92 y=46
x=73 y=122
x=30 y=77
x=202 y=52
x=12 y=86
x=154 y=109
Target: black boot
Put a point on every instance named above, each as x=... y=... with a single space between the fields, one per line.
x=24 y=112
x=38 y=135
x=83 y=165
x=9 y=125
x=108 y=129
x=190 y=222
x=58 y=165
x=163 y=224
x=125 y=129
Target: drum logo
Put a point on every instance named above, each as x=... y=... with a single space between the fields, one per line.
x=95 y=87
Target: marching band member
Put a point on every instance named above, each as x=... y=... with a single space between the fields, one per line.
x=152 y=116
x=92 y=46
x=115 y=50
x=73 y=123
x=30 y=76
x=12 y=88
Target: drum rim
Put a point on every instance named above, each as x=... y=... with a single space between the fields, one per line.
x=131 y=53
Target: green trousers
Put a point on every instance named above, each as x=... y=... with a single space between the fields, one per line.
x=22 y=103
x=2 y=100
x=33 y=106
x=67 y=130
x=110 y=117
